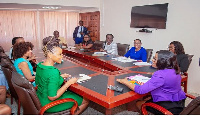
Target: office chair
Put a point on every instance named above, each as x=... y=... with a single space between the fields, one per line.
x=122 y=49
x=30 y=102
x=193 y=107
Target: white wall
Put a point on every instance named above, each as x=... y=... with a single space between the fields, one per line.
x=183 y=21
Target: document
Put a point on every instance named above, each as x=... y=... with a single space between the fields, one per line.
x=138 y=79
x=123 y=59
x=142 y=63
x=99 y=54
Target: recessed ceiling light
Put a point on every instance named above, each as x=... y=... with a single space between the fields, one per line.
x=51 y=7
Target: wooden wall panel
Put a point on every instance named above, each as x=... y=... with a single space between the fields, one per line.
x=92 y=21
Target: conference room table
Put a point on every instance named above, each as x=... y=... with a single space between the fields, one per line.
x=103 y=71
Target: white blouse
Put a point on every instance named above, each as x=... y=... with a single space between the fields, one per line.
x=111 y=49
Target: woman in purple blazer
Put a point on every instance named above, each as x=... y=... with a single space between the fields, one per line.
x=164 y=85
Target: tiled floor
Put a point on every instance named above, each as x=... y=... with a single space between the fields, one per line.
x=94 y=109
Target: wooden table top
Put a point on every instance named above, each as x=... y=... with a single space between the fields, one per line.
x=104 y=71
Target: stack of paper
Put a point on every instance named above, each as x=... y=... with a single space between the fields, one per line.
x=83 y=78
x=99 y=53
x=123 y=59
x=138 y=79
x=142 y=63
x=71 y=47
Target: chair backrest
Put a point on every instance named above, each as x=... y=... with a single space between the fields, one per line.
x=2 y=50
x=28 y=97
x=7 y=69
x=98 y=45
x=122 y=49
x=27 y=94
x=190 y=58
x=3 y=55
x=149 y=54
x=193 y=107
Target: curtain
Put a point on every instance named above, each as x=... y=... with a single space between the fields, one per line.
x=36 y=25
x=15 y=24
x=64 y=22
x=73 y=21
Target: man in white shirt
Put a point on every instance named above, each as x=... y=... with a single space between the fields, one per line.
x=109 y=46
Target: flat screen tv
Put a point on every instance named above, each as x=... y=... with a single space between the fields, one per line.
x=149 y=16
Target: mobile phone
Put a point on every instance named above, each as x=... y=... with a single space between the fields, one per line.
x=115 y=88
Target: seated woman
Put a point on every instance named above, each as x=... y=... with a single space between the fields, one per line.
x=137 y=52
x=50 y=82
x=110 y=47
x=21 y=53
x=164 y=85
x=87 y=42
x=177 y=48
x=15 y=40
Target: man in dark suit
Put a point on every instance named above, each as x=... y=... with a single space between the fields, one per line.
x=79 y=32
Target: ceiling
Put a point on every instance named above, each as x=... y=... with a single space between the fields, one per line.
x=15 y=6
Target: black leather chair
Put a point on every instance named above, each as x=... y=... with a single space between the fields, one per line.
x=149 y=54
x=122 y=49
x=190 y=58
x=193 y=107
x=98 y=45
x=4 y=56
x=2 y=50
x=7 y=68
x=185 y=75
x=30 y=102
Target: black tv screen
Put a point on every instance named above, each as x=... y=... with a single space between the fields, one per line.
x=149 y=16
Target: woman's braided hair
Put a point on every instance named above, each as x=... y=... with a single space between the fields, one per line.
x=49 y=43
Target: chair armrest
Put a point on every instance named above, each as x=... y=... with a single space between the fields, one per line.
x=54 y=103
x=160 y=108
x=36 y=88
x=185 y=73
x=155 y=106
x=32 y=80
x=190 y=96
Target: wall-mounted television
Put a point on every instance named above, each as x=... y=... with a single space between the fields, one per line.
x=149 y=16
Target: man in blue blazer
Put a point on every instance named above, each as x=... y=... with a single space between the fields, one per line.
x=79 y=32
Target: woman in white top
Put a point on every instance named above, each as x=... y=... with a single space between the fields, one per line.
x=109 y=46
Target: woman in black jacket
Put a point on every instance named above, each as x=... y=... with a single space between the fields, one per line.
x=177 y=48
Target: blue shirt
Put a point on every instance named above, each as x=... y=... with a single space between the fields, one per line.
x=164 y=85
x=3 y=81
x=20 y=60
x=137 y=55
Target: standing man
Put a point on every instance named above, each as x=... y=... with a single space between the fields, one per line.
x=79 y=32
x=109 y=46
x=62 y=41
